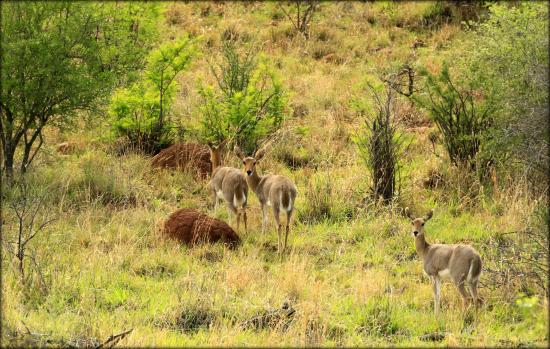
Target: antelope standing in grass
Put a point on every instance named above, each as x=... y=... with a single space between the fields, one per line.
x=228 y=184
x=272 y=190
x=460 y=263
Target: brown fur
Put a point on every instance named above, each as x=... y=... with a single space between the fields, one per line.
x=228 y=184
x=66 y=148
x=461 y=263
x=272 y=190
x=193 y=227
x=187 y=156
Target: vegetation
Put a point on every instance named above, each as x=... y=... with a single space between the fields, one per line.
x=141 y=112
x=84 y=258
x=380 y=146
x=249 y=105
x=54 y=66
x=461 y=118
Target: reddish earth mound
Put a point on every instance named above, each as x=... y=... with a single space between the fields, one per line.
x=187 y=156
x=66 y=148
x=193 y=227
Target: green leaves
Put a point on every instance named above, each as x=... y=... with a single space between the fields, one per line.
x=141 y=112
x=248 y=105
x=462 y=119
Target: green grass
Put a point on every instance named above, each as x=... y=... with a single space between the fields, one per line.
x=352 y=272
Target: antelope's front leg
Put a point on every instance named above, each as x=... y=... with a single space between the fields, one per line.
x=436 y=284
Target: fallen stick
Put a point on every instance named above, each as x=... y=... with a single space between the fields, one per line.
x=114 y=339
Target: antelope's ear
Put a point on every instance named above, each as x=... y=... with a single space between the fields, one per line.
x=238 y=152
x=429 y=215
x=259 y=154
x=222 y=144
x=210 y=145
x=408 y=213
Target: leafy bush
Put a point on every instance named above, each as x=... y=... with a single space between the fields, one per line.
x=248 y=105
x=508 y=58
x=461 y=115
x=141 y=112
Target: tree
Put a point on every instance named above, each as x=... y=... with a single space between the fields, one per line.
x=57 y=60
x=304 y=10
x=139 y=111
x=248 y=105
x=508 y=58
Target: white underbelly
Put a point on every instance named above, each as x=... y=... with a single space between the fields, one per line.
x=445 y=273
x=268 y=203
x=219 y=194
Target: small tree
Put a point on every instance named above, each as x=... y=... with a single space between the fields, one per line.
x=303 y=13
x=140 y=111
x=461 y=115
x=380 y=145
x=28 y=206
x=248 y=105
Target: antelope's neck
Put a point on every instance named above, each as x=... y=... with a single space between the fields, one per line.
x=216 y=160
x=253 y=181
x=421 y=245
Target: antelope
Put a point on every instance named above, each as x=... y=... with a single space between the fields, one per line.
x=461 y=263
x=272 y=190
x=228 y=184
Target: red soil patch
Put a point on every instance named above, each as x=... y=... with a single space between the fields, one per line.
x=186 y=156
x=193 y=227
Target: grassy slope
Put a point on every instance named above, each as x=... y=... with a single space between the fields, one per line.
x=353 y=281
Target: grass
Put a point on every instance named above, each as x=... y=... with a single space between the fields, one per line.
x=352 y=273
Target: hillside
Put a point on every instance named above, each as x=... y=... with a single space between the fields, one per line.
x=352 y=275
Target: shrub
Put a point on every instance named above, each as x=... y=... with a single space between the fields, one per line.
x=508 y=57
x=380 y=145
x=141 y=112
x=461 y=115
x=248 y=105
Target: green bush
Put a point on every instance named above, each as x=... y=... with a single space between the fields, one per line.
x=141 y=112
x=508 y=58
x=462 y=118
x=248 y=104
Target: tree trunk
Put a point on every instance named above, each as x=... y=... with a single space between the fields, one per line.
x=8 y=163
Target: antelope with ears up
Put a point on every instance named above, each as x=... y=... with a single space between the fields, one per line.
x=272 y=190
x=460 y=263
x=228 y=184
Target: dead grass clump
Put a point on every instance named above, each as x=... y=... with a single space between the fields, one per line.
x=174 y=15
x=434 y=179
x=234 y=33
x=274 y=319
x=187 y=319
x=295 y=158
x=193 y=227
x=191 y=157
x=299 y=110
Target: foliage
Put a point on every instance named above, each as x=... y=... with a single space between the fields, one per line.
x=380 y=145
x=58 y=58
x=508 y=58
x=461 y=115
x=140 y=111
x=249 y=104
